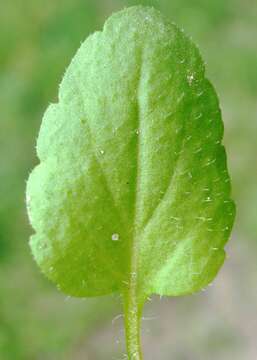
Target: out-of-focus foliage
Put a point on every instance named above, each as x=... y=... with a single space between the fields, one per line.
x=37 y=41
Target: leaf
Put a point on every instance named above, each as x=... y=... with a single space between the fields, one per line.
x=132 y=194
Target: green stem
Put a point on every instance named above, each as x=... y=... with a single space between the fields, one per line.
x=132 y=316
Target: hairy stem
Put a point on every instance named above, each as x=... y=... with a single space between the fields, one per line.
x=132 y=316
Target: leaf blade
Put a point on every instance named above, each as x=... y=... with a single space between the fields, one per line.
x=130 y=151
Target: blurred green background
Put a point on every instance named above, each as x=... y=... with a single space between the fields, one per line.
x=37 y=41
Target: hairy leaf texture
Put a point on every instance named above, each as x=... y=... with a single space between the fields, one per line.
x=132 y=192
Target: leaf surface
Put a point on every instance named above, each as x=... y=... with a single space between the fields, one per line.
x=132 y=192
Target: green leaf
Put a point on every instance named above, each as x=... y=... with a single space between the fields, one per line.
x=132 y=194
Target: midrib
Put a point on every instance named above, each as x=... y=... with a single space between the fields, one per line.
x=133 y=275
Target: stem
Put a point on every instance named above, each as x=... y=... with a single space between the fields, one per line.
x=132 y=316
